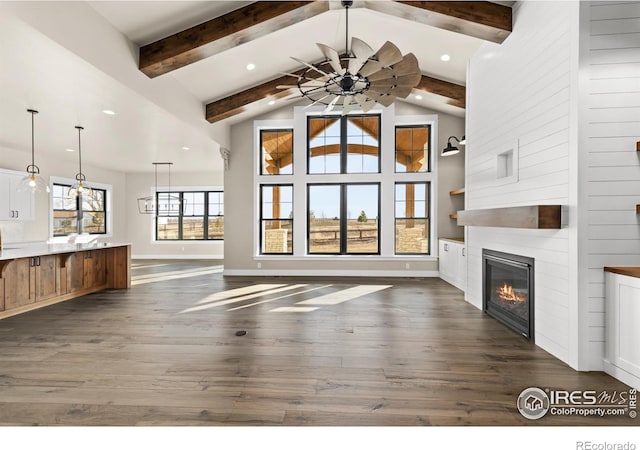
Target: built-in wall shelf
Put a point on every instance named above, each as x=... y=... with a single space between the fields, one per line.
x=638 y=146
x=535 y=216
x=457 y=191
x=453 y=216
x=637 y=209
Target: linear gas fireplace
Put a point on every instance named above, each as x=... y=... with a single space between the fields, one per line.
x=507 y=290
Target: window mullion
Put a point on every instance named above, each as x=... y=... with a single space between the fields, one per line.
x=205 y=219
x=344 y=149
x=343 y=219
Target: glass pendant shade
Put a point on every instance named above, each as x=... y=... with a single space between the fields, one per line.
x=33 y=181
x=80 y=187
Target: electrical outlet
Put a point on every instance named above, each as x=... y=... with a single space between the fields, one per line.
x=259 y=265
x=407 y=266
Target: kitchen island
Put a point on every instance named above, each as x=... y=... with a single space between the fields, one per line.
x=41 y=274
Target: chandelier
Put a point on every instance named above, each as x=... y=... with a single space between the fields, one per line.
x=168 y=204
x=361 y=77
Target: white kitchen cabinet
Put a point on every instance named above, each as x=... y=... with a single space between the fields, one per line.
x=622 y=360
x=15 y=204
x=453 y=262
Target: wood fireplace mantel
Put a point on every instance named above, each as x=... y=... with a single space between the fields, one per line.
x=535 y=216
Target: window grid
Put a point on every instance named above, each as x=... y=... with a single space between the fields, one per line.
x=85 y=213
x=276 y=219
x=346 y=229
x=413 y=148
x=190 y=216
x=412 y=218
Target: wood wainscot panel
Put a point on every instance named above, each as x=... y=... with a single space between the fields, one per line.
x=536 y=216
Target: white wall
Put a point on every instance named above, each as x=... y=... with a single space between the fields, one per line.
x=520 y=96
x=239 y=214
x=140 y=230
x=66 y=167
x=610 y=128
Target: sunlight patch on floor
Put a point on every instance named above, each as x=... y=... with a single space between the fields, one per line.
x=295 y=309
x=335 y=298
x=278 y=298
x=239 y=299
x=174 y=275
x=148 y=266
x=231 y=293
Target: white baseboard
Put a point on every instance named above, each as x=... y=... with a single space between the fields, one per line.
x=178 y=256
x=331 y=273
x=621 y=374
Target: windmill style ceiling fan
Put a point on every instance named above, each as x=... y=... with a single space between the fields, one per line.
x=361 y=77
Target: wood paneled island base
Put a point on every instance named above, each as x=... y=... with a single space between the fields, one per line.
x=59 y=273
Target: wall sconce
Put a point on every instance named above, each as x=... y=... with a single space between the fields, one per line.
x=451 y=149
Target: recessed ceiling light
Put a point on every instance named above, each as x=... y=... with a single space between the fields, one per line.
x=108 y=112
x=445 y=57
x=251 y=66
x=272 y=102
x=186 y=148
x=418 y=97
x=69 y=150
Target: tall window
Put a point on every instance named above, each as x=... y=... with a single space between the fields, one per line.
x=85 y=213
x=189 y=216
x=277 y=152
x=343 y=144
x=413 y=144
x=344 y=218
x=276 y=219
x=412 y=218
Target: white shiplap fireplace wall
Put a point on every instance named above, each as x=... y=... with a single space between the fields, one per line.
x=520 y=97
x=610 y=128
x=563 y=91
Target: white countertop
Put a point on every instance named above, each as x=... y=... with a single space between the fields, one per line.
x=15 y=251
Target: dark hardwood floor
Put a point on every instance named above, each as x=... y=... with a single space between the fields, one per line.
x=316 y=352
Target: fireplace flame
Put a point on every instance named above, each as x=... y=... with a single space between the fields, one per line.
x=507 y=293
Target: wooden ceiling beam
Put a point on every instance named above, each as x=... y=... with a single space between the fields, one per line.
x=484 y=20
x=224 y=32
x=456 y=93
x=237 y=103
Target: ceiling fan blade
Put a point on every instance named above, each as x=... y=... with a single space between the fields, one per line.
x=371 y=66
x=387 y=100
x=409 y=80
x=330 y=106
x=311 y=66
x=408 y=65
x=362 y=53
x=382 y=87
x=287 y=86
x=347 y=105
x=389 y=54
x=365 y=103
x=383 y=74
x=402 y=91
x=333 y=57
x=318 y=100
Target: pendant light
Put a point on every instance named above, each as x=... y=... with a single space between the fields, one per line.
x=151 y=205
x=80 y=187
x=33 y=181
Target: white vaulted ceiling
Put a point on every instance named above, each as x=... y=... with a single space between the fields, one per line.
x=71 y=60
